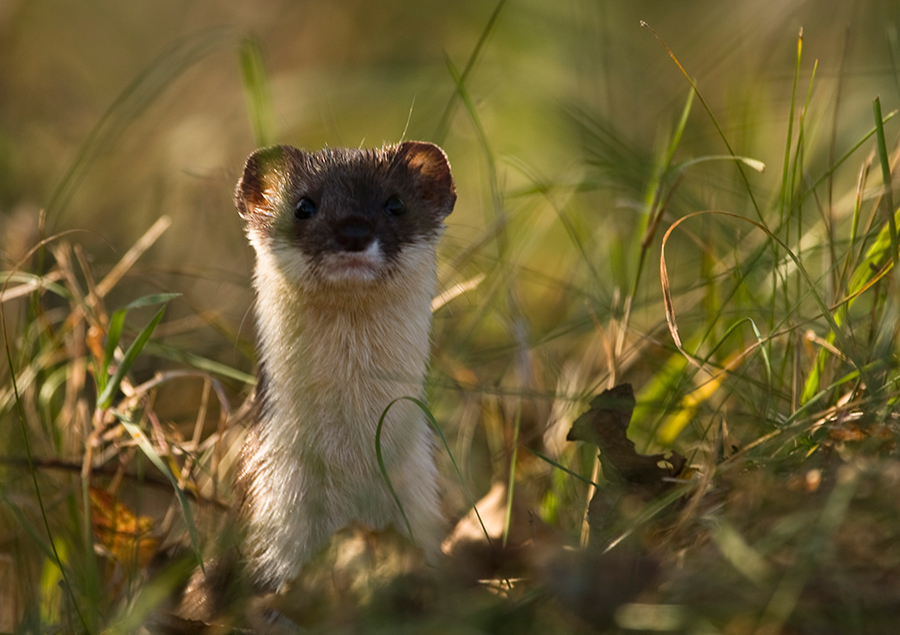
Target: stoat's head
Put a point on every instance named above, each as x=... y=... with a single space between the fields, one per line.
x=345 y=217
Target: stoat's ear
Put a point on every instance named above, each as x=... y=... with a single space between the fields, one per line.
x=429 y=166
x=265 y=175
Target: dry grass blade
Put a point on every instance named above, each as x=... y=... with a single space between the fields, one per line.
x=131 y=256
x=456 y=291
x=34 y=283
x=579 y=155
x=669 y=303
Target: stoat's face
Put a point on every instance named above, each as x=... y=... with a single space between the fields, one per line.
x=344 y=216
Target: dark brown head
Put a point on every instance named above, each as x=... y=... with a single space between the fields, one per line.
x=345 y=215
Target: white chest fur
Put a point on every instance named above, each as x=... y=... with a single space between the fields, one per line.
x=334 y=359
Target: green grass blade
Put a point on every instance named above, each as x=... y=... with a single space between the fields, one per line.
x=437 y=429
x=199 y=362
x=679 y=129
x=157 y=592
x=24 y=523
x=895 y=55
x=114 y=333
x=257 y=93
x=680 y=414
x=558 y=466
x=790 y=130
x=129 y=105
x=871 y=269
x=787 y=594
x=150 y=300
x=444 y=125
x=886 y=178
x=713 y=119
x=105 y=399
x=846 y=343
x=383 y=469
x=144 y=444
x=875 y=260
x=830 y=171
x=116 y=322
x=493 y=179
x=20 y=413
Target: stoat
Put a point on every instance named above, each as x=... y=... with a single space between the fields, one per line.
x=345 y=272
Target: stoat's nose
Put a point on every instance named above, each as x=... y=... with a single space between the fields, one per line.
x=354 y=234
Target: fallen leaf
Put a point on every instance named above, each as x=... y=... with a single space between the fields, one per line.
x=605 y=425
x=125 y=535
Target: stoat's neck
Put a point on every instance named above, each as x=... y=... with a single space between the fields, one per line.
x=336 y=357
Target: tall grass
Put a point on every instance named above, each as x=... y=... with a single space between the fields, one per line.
x=765 y=351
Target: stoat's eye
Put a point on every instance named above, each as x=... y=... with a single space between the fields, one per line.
x=306 y=208
x=395 y=206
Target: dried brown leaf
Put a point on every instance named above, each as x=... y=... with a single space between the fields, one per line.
x=605 y=425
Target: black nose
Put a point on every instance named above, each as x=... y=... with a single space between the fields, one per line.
x=354 y=234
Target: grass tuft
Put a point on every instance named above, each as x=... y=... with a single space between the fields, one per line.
x=766 y=354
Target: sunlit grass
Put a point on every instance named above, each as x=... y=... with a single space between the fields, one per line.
x=764 y=351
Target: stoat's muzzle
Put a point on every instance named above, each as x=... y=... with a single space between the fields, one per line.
x=354 y=233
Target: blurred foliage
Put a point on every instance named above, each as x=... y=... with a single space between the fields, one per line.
x=576 y=143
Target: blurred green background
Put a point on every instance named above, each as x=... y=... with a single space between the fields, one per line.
x=113 y=114
x=350 y=73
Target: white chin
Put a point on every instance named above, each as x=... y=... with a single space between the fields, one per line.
x=353 y=266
